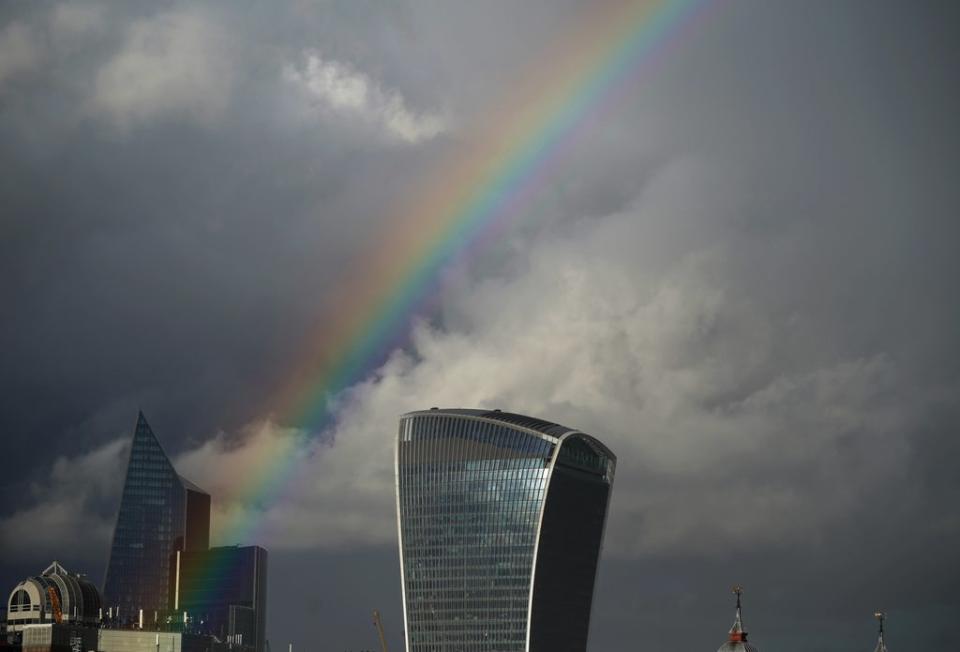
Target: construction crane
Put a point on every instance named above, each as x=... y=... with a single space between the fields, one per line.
x=379 y=626
x=55 y=603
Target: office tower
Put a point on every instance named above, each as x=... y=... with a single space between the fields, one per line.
x=160 y=512
x=501 y=520
x=223 y=591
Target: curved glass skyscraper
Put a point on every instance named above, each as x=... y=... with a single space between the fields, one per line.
x=501 y=521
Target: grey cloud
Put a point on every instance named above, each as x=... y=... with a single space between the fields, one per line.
x=72 y=19
x=681 y=374
x=176 y=62
x=741 y=275
x=685 y=377
x=20 y=51
x=73 y=502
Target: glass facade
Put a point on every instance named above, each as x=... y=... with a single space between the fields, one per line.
x=224 y=592
x=473 y=490
x=152 y=523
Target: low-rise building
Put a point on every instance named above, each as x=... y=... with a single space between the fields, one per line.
x=54 y=596
x=53 y=637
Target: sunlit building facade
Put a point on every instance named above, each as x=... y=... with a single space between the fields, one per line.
x=160 y=513
x=501 y=521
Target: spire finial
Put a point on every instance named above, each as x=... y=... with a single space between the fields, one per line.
x=880 y=616
x=737 y=633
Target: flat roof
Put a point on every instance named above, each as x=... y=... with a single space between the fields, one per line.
x=509 y=418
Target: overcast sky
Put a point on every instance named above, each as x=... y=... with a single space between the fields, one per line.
x=742 y=278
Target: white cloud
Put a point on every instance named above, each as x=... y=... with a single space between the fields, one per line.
x=335 y=88
x=20 y=51
x=172 y=64
x=330 y=496
x=67 y=506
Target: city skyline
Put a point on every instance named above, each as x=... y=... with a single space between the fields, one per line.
x=716 y=235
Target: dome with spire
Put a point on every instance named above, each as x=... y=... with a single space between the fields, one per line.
x=737 y=641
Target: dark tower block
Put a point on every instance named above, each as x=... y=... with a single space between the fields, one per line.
x=197 y=529
x=224 y=593
x=571 y=533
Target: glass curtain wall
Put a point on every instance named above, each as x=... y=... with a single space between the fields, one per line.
x=470 y=494
x=149 y=524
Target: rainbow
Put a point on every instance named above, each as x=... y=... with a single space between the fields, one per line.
x=460 y=210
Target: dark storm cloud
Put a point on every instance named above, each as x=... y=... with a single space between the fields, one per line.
x=748 y=263
x=140 y=231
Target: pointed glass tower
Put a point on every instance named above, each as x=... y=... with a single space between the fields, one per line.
x=737 y=641
x=160 y=512
x=881 y=646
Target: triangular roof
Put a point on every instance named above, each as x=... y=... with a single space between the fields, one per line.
x=189 y=485
x=143 y=435
x=55 y=569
